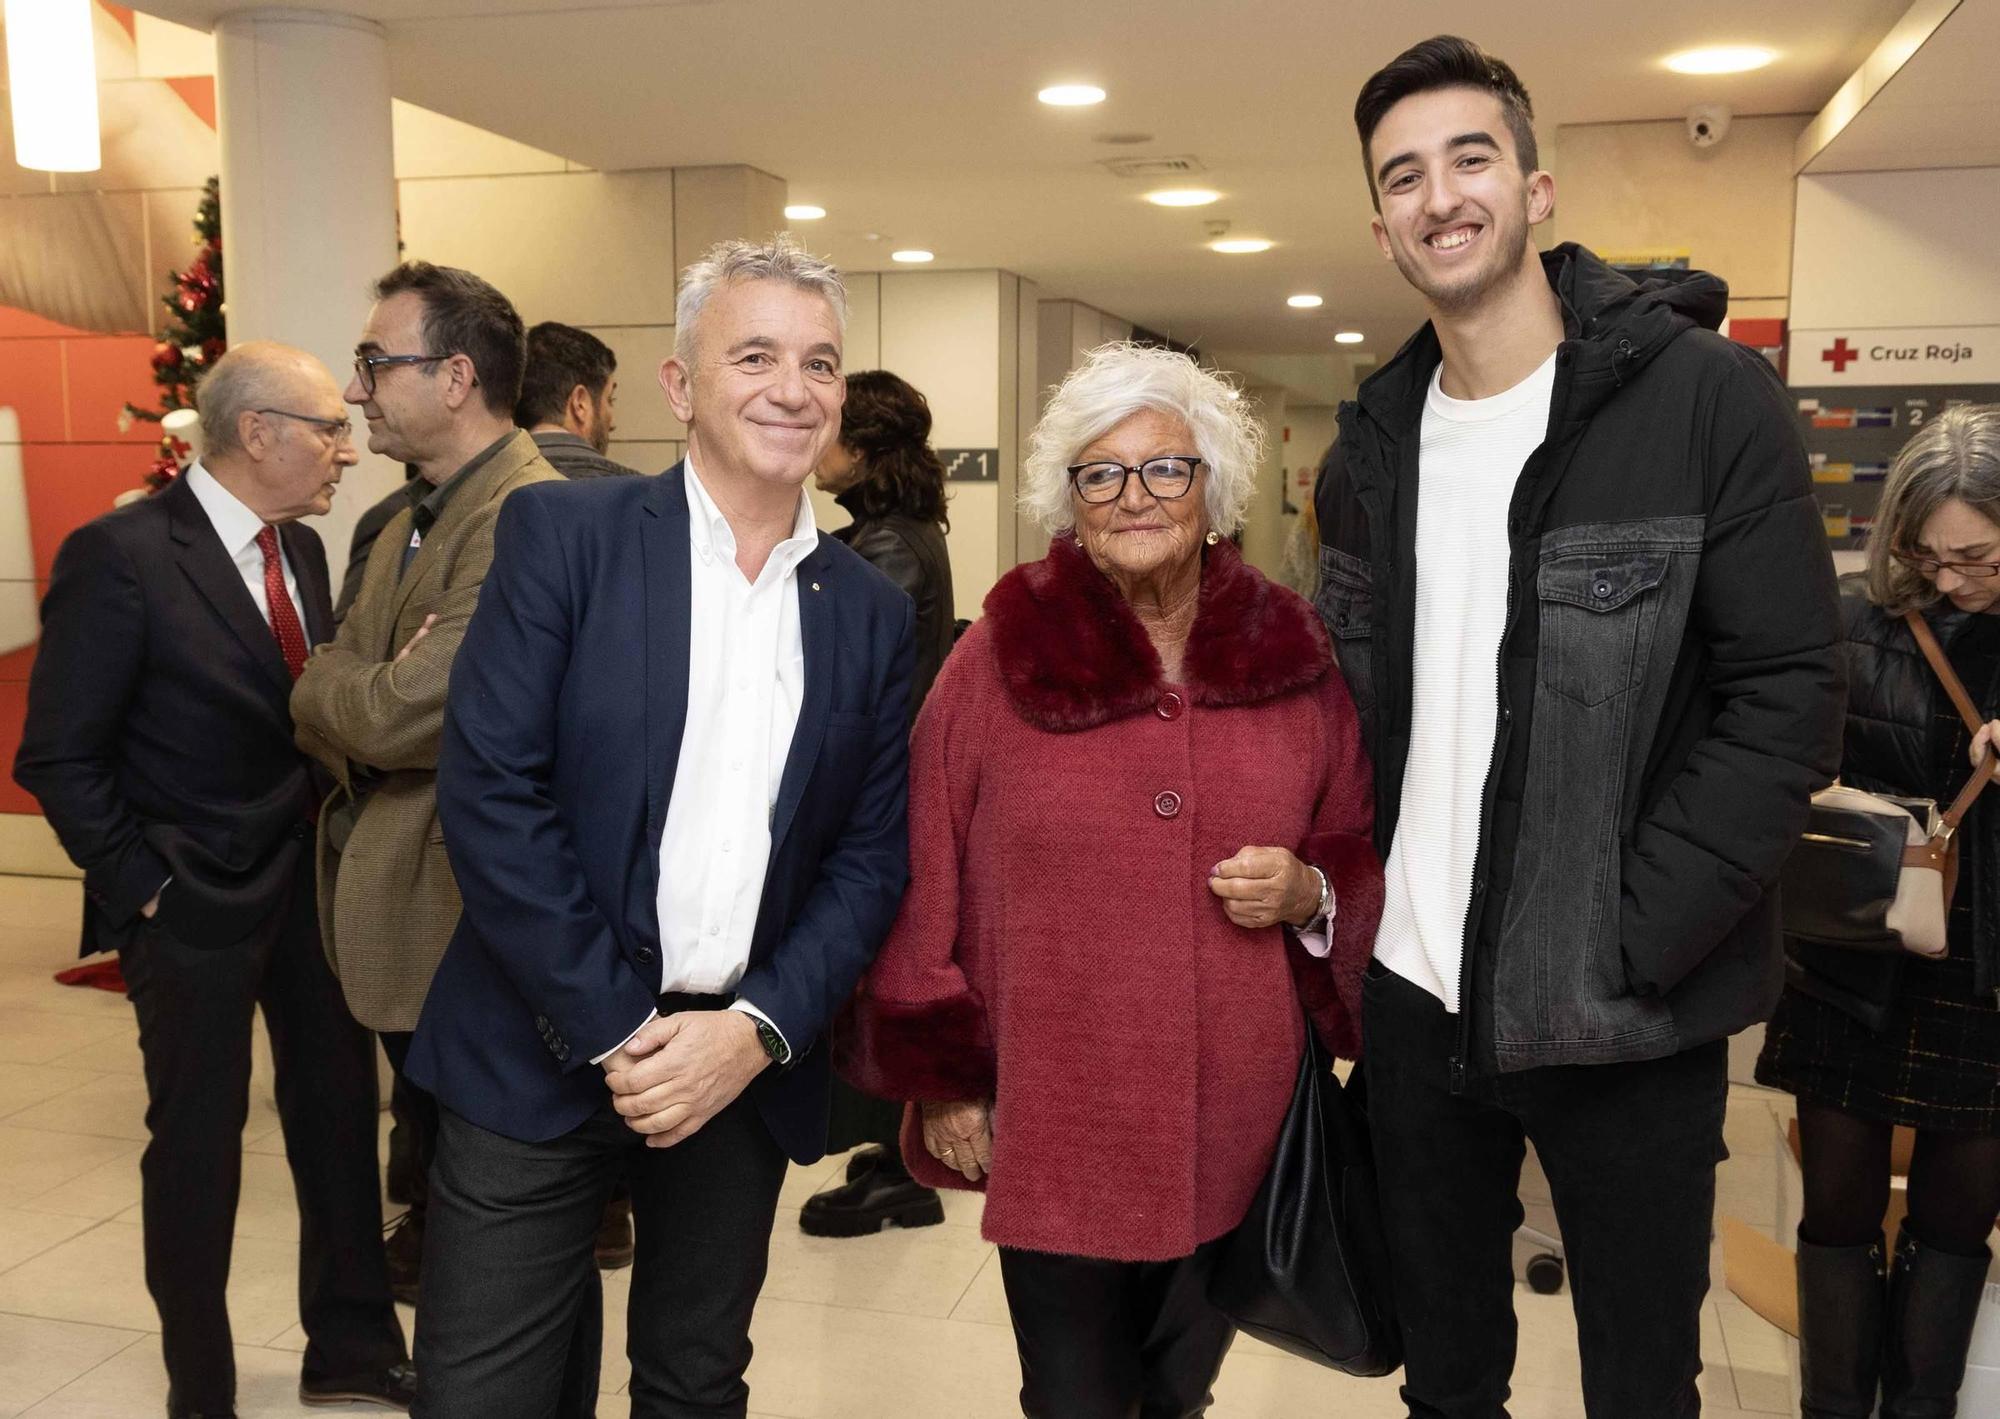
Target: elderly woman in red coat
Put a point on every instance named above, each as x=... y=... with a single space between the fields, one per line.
x=1139 y=842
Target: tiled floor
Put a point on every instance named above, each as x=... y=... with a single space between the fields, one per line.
x=904 y=1324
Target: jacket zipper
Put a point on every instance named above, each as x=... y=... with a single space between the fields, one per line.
x=1502 y=719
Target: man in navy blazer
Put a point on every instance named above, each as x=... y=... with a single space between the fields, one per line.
x=672 y=788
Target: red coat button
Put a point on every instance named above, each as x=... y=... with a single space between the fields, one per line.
x=1170 y=706
x=1167 y=804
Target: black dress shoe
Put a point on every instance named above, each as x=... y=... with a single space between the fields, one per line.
x=614 y=1235
x=404 y=1251
x=175 y=1412
x=393 y=1388
x=879 y=1197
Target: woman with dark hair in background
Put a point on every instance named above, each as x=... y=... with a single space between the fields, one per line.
x=1869 y=1041
x=883 y=471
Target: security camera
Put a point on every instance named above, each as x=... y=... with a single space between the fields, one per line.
x=1707 y=124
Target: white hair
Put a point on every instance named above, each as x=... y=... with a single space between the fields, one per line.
x=252 y=376
x=779 y=259
x=1119 y=380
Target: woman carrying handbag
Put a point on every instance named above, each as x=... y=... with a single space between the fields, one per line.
x=1868 y=1040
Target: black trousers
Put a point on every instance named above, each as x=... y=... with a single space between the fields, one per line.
x=195 y=1006
x=1114 y=1339
x=415 y=1109
x=1630 y=1151
x=510 y=1323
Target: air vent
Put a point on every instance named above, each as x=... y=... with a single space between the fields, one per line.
x=1151 y=167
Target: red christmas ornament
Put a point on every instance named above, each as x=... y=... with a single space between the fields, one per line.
x=212 y=350
x=166 y=356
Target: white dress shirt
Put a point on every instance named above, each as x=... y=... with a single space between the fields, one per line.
x=238 y=527
x=746 y=679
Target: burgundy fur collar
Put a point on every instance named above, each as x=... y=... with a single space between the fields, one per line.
x=1073 y=655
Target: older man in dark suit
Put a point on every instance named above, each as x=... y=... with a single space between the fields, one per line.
x=160 y=746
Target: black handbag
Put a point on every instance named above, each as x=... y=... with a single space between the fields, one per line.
x=1307 y=1269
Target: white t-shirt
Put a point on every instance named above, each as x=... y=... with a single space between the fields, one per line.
x=1468 y=464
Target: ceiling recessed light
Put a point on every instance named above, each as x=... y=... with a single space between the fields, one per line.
x=913 y=256
x=1304 y=302
x=1183 y=197
x=1240 y=246
x=1349 y=337
x=804 y=212
x=1071 y=95
x=1720 y=59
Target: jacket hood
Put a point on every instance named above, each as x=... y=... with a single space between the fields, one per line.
x=1613 y=328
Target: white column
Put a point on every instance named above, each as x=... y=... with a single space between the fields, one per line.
x=308 y=200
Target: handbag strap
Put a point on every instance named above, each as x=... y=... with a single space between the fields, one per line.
x=1927 y=641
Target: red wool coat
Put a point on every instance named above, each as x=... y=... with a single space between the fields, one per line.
x=1059 y=950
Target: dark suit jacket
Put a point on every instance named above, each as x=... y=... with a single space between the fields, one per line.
x=910 y=552
x=562 y=737
x=158 y=738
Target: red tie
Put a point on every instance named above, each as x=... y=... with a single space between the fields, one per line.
x=284 y=616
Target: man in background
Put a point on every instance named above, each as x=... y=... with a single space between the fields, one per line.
x=436 y=374
x=159 y=743
x=569 y=400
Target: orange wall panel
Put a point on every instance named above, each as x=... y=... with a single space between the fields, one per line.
x=69 y=484
x=104 y=374
x=13 y=713
x=31 y=380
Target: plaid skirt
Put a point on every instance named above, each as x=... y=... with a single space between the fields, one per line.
x=1934 y=1065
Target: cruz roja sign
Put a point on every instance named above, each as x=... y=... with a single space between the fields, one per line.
x=1896 y=355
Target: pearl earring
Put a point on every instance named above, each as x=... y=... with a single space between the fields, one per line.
x=1213 y=538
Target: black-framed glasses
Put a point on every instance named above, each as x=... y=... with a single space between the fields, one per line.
x=340 y=430
x=1931 y=566
x=366 y=365
x=1165 y=478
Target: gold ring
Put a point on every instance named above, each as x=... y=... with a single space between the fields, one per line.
x=949 y=1152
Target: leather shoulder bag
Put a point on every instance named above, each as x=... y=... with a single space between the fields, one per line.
x=1307 y=1270
x=1873 y=872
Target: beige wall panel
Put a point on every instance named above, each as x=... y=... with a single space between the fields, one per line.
x=28 y=848
x=1264 y=529
x=1897 y=248
x=941 y=332
x=1643 y=186
x=973 y=542
x=864 y=321
x=643 y=412
x=584 y=248
x=719 y=203
x=431 y=145
x=647 y=455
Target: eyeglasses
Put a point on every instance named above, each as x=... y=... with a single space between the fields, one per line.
x=341 y=430
x=366 y=365
x=1931 y=566
x=1165 y=478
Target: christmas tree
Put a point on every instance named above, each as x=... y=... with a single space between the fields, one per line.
x=194 y=338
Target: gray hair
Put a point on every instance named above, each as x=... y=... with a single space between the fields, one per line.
x=258 y=375
x=1119 y=380
x=1955 y=455
x=779 y=259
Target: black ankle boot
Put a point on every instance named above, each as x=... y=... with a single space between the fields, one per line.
x=884 y=1193
x=1841 y=1303
x=1934 y=1301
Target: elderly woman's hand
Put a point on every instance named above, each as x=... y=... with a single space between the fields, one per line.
x=1985 y=742
x=1262 y=886
x=960 y=1136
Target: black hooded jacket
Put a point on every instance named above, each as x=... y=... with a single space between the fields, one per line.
x=1670 y=688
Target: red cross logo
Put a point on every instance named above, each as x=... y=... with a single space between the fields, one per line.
x=1841 y=355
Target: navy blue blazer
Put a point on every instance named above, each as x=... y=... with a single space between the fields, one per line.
x=562 y=735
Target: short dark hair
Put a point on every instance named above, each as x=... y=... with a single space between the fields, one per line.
x=1444 y=62
x=887 y=422
x=464 y=315
x=560 y=357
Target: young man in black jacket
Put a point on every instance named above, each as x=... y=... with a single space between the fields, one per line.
x=1586 y=610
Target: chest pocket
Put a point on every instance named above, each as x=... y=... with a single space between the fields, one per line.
x=1599 y=615
x=1346 y=603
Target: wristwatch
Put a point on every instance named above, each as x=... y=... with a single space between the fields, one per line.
x=1325 y=899
x=773 y=1042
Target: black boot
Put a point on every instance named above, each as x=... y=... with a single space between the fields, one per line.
x=1841 y=1302
x=1934 y=1300
x=884 y=1193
